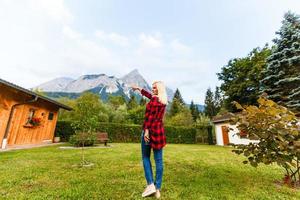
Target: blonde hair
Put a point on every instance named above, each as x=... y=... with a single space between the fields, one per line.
x=161 y=92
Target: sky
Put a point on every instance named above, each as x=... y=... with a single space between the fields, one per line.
x=182 y=43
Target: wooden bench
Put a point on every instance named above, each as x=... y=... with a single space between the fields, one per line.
x=102 y=137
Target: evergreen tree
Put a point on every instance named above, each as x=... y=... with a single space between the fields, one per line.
x=177 y=103
x=210 y=109
x=132 y=103
x=178 y=96
x=175 y=107
x=194 y=110
x=282 y=75
x=218 y=101
x=116 y=101
x=143 y=101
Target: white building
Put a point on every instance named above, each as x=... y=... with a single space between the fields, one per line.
x=224 y=134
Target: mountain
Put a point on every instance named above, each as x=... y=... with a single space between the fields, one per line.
x=97 y=83
x=57 y=85
x=135 y=78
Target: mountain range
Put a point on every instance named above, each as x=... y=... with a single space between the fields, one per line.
x=101 y=84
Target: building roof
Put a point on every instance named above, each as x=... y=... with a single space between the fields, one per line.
x=227 y=117
x=34 y=94
x=222 y=118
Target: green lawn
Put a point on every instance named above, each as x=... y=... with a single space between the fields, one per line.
x=191 y=172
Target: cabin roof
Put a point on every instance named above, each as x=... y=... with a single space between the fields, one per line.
x=227 y=117
x=16 y=87
x=222 y=118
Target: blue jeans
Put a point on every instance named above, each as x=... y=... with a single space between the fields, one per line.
x=158 y=157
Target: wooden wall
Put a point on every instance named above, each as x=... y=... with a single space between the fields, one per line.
x=18 y=133
x=5 y=106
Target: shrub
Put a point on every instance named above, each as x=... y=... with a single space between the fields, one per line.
x=277 y=131
x=81 y=139
x=120 y=132
x=64 y=130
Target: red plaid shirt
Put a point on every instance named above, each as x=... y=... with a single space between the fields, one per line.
x=154 y=120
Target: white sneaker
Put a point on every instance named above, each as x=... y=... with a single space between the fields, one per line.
x=157 y=194
x=150 y=189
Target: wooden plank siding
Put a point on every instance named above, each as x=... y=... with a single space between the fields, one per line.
x=18 y=134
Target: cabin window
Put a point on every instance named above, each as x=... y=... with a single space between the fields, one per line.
x=50 y=116
x=31 y=113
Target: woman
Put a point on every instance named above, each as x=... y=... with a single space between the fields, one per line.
x=153 y=136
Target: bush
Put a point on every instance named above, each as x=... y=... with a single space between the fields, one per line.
x=277 y=131
x=83 y=139
x=64 y=130
x=119 y=132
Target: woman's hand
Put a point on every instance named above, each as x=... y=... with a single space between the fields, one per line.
x=146 y=136
x=134 y=87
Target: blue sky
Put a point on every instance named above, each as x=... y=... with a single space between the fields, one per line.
x=183 y=43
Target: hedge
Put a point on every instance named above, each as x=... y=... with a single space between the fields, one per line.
x=132 y=133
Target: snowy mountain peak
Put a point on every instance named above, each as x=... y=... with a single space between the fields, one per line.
x=134 y=77
x=57 y=84
x=91 y=76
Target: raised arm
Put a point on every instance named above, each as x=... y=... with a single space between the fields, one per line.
x=146 y=94
x=143 y=92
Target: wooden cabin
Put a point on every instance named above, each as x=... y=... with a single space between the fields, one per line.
x=25 y=116
x=226 y=131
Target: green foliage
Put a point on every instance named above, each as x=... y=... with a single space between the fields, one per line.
x=118 y=132
x=64 y=130
x=182 y=118
x=177 y=95
x=65 y=114
x=120 y=115
x=282 y=81
x=241 y=76
x=210 y=105
x=136 y=115
x=203 y=120
x=143 y=101
x=176 y=107
x=132 y=103
x=86 y=112
x=218 y=100
x=40 y=92
x=277 y=132
x=194 y=110
x=116 y=101
x=82 y=139
x=177 y=104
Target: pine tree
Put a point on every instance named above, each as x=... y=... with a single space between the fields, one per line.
x=218 y=101
x=282 y=76
x=177 y=103
x=143 y=101
x=132 y=103
x=178 y=96
x=194 y=110
x=175 y=107
x=210 y=109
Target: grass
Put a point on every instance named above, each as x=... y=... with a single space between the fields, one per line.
x=191 y=172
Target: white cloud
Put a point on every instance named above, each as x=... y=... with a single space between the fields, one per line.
x=179 y=47
x=69 y=32
x=151 y=41
x=39 y=43
x=115 y=38
x=55 y=9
